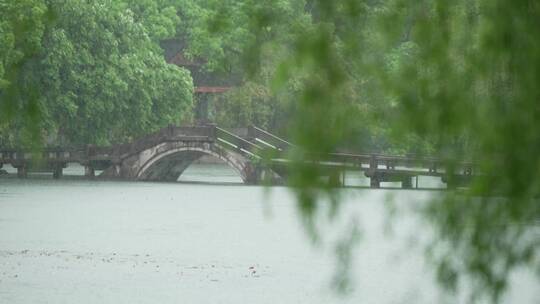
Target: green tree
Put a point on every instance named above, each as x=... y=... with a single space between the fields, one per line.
x=99 y=77
x=249 y=104
x=457 y=77
x=22 y=24
x=159 y=18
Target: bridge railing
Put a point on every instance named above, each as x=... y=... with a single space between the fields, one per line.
x=435 y=166
x=237 y=143
x=170 y=133
x=15 y=156
x=268 y=139
x=192 y=132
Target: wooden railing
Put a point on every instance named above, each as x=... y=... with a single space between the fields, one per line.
x=237 y=143
x=268 y=139
x=374 y=162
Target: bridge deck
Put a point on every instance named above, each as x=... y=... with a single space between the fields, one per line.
x=258 y=145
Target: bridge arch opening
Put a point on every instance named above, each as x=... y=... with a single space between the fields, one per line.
x=209 y=169
x=172 y=164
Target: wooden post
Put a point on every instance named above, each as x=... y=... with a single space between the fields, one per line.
x=213 y=132
x=373 y=177
x=374 y=182
x=406 y=182
x=251 y=133
x=57 y=173
x=89 y=171
x=22 y=171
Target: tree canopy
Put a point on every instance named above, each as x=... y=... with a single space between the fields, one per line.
x=92 y=73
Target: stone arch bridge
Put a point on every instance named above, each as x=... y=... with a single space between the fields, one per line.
x=255 y=154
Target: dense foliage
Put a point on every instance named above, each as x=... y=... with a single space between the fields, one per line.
x=93 y=76
x=458 y=79
x=22 y=25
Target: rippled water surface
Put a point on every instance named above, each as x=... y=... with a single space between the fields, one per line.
x=78 y=241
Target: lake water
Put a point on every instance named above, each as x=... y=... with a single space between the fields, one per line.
x=79 y=241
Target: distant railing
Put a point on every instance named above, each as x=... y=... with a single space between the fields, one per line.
x=236 y=142
x=268 y=138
